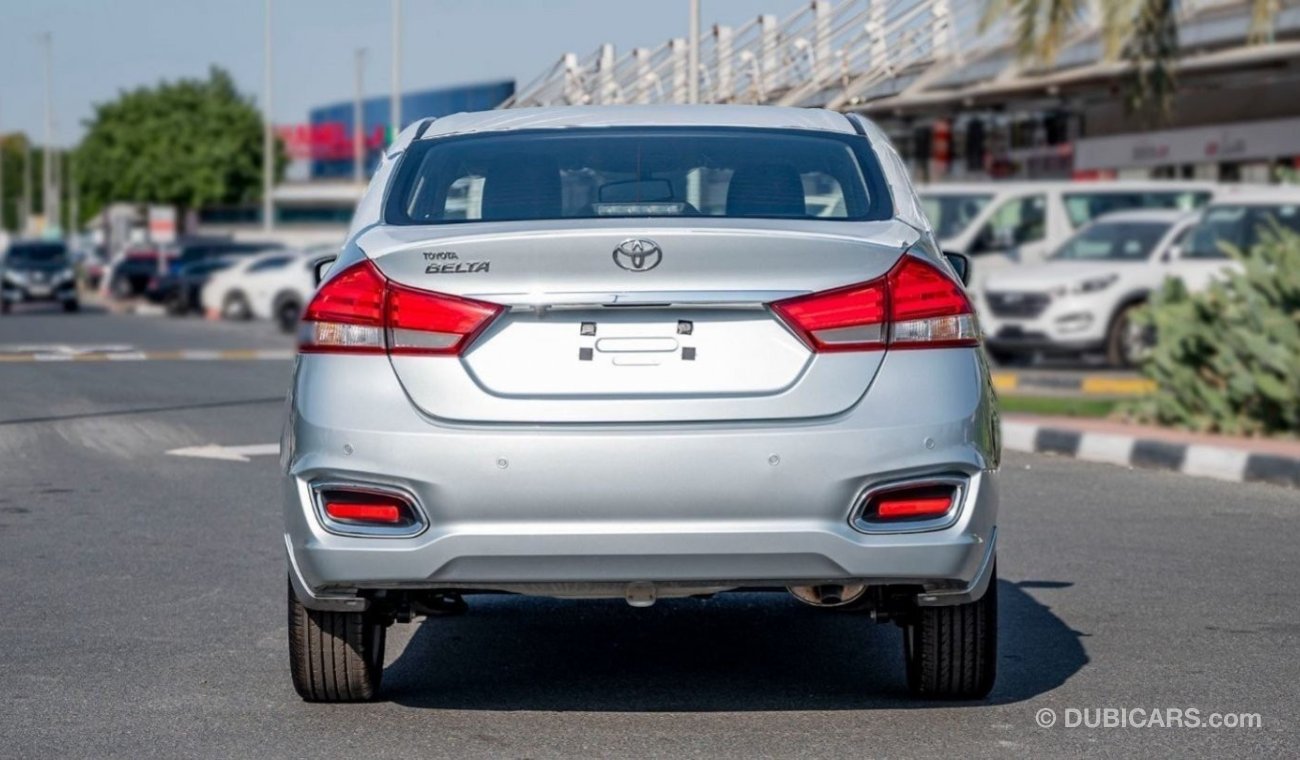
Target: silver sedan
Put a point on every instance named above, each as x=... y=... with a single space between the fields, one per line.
x=642 y=353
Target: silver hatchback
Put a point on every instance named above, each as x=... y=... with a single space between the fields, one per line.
x=642 y=353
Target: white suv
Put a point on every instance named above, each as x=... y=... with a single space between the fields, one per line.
x=1080 y=299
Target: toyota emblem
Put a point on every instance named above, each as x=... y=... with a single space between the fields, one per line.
x=636 y=255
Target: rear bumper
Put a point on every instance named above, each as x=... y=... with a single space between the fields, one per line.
x=584 y=510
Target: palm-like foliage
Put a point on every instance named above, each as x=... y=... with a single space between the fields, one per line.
x=1142 y=32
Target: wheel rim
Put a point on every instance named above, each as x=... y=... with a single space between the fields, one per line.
x=1134 y=342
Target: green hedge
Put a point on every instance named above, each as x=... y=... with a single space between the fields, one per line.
x=1227 y=359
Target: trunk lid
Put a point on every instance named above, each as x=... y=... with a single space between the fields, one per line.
x=645 y=322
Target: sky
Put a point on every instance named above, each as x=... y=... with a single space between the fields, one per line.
x=103 y=46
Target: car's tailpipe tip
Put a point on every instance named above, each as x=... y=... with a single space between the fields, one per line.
x=640 y=594
x=829 y=594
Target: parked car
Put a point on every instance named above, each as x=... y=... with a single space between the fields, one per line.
x=231 y=292
x=37 y=270
x=641 y=366
x=280 y=294
x=189 y=250
x=1081 y=299
x=180 y=290
x=1003 y=222
x=131 y=273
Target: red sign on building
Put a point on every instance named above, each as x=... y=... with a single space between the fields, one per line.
x=331 y=141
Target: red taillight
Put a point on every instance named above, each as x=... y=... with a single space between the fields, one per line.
x=361 y=311
x=845 y=319
x=368 y=510
x=890 y=507
x=913 y=306
x=377 y=512
x=421 y=322
x=921 y=501
x=927 y=309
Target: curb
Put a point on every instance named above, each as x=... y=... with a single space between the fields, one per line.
x=1219 y=462
x=1006 y=382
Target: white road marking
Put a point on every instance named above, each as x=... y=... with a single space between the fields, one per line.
x=64 y=348
x=228 y=453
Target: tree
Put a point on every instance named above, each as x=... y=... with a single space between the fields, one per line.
x=187 y=143
x=1227 y=359
x=17 y=150
x=1141 y=32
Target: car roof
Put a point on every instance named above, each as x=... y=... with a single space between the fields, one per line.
x=1270 y=195
x=1109 y=186
x=1163 y=215
x=771 y=117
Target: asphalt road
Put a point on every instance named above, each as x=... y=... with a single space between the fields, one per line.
x=144 y=614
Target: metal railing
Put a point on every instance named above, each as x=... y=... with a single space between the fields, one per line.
x=831 y=54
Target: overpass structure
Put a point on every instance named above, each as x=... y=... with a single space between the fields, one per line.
x=886 y=54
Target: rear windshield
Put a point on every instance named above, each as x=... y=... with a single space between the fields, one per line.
x=1083 y=207
x=37 y=253
x=636 y=173
x=1236 y=226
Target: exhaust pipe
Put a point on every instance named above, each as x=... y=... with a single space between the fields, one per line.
x=829 y=594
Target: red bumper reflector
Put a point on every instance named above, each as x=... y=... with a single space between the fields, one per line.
x=892 y=506
x=378 y=512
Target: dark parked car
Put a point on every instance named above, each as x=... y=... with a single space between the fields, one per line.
x=188 y=251
x=131 y=276
x=37 y=271
x=179 y=290
x=143 y=270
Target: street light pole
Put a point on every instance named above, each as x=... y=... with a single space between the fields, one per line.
x=47 y=167
x=693 y=56
x=395 y=106
x=2 y=177
x=25 y=229
x=268 y=136
x=358 y=126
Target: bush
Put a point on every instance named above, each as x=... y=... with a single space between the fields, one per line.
x=1228 y=359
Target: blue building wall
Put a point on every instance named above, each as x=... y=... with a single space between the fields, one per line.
x=415 y=106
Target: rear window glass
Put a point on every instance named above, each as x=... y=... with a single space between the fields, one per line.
x=1086 y=206
x=621 y=173
x=1237 y=226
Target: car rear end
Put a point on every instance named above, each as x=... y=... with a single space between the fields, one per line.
x=640 y=362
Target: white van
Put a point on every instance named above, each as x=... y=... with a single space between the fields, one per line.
x=1005 y=222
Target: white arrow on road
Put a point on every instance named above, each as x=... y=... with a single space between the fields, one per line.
x=228 y=453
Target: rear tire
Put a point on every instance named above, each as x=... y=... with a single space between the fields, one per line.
x=952 y=652
x=71 y=306
x=335 y=656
